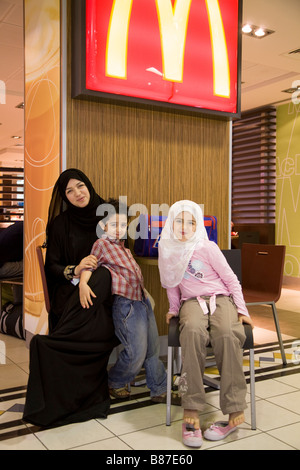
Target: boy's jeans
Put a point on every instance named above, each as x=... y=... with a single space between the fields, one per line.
x=135 y=326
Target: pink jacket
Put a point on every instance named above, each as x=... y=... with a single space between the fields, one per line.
x=208 y=274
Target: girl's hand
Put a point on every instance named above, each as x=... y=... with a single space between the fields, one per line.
x=85 y=295
x=89 y=262
x=245 y=319
x=168 y=317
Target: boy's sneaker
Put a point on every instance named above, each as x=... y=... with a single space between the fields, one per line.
x=218 y=431
x=191 y=437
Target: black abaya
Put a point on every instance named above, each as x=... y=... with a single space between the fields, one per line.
x=68 y=243
x=68 y=368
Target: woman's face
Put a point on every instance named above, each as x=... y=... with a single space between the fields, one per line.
x=77 y=193
x=184 y=226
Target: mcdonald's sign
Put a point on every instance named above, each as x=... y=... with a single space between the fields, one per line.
x=183 y=54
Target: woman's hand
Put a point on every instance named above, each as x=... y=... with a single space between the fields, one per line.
x=85 y=295
x=89 y=262
x=245 y=319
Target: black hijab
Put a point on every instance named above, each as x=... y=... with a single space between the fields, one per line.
x=85 y=217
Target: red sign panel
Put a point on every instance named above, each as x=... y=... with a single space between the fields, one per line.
x=181 y=52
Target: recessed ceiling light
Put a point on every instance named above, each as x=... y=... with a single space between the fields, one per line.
x=247 y=28
x=259 y=32
x=291 y=90
x=256 y=31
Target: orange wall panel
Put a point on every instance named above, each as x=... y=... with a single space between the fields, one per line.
x=42 y=143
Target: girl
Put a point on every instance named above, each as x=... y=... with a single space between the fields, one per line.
x=205 y=293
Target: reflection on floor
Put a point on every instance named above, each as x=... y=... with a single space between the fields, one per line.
x=138 y=424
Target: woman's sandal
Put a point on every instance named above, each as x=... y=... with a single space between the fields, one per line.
x=119 y=392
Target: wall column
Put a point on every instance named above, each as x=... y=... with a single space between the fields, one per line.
x=42 y=143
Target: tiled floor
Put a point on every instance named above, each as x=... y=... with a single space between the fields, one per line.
x=140 y=425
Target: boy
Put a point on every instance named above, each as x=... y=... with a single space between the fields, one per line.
x=133 y=316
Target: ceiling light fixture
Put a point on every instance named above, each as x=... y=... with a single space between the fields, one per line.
x=291 y=90
x=260 y=32
x=16 y=137
x=256 y=31
x=247 y=28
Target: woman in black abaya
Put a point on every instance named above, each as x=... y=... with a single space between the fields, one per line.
x=68 y=368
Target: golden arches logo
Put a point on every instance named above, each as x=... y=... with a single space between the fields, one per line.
x=173 y=23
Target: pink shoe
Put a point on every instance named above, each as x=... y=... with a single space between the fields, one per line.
x=191 y=437
x=218 y=431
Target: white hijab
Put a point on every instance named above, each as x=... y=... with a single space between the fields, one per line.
x=173 y=254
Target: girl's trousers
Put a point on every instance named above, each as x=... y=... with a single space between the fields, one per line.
x=226 y=335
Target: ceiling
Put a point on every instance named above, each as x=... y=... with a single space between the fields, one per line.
x=267 y=66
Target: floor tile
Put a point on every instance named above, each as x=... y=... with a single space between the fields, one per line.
x=292 y=380
x=12 y=341
x=262 y=335
x=17 y=354
x=289 y=299
x=26 y=442
x=290 y=401
x=12 y=376
x=157 y=438
x=24 y=366
x=258 y=442
x=73 y=435
x=8 y=416
x=271 y=388
x=269 y=416
x=135 y=420
x=288 y=434
x=113 y=443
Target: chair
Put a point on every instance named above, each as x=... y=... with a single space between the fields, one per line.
x=262 y=273
x=234 y=259
x=40 y=256
x=248 y=237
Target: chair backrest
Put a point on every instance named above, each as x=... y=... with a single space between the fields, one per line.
x=248 y=237
x=40 y=256
x=233 y=258
x=262 y=270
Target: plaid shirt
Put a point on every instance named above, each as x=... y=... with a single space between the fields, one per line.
x=126 y=275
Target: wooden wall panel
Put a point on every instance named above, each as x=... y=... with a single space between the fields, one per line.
x=151 y=156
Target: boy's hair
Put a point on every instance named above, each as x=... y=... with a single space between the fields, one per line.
x=114 y=206
x=111 y=207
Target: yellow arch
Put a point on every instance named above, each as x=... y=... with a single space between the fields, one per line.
x=221 y=72
x=173 y=24
x=117 y=39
